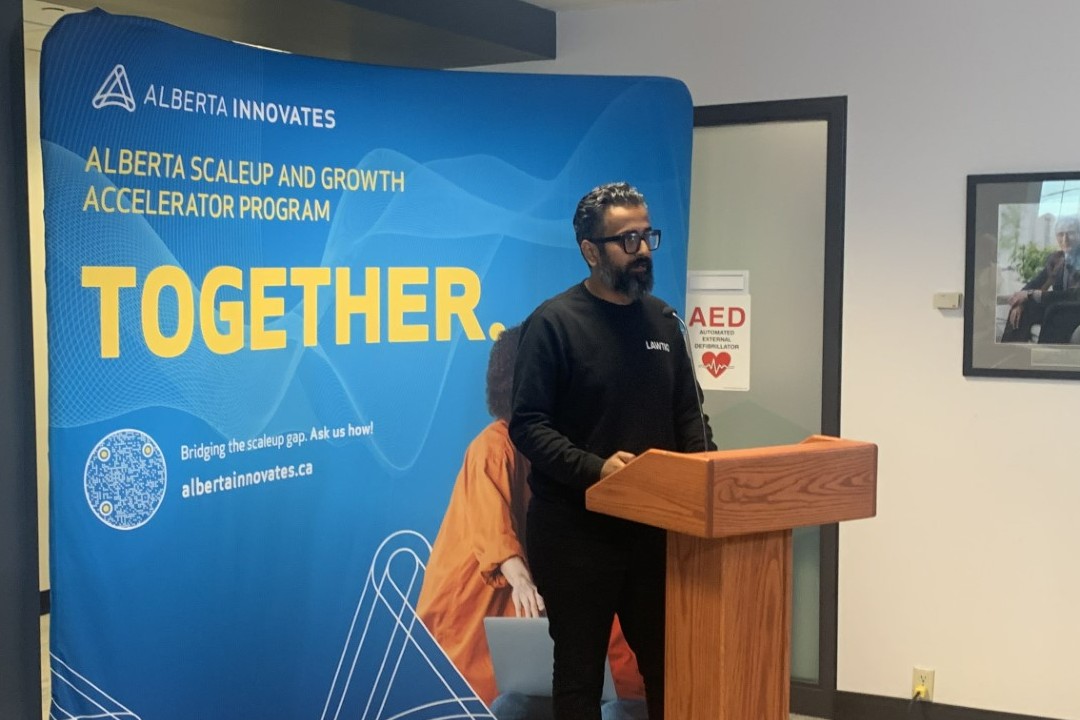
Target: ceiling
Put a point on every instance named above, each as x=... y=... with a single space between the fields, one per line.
x=38 y=17
x=409 y=33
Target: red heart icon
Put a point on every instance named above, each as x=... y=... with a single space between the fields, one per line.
x=716 y=363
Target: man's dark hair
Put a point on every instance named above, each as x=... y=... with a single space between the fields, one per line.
x=500 y=372
x=589 y=218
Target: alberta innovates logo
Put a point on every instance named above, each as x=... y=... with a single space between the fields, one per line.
x=116 y=91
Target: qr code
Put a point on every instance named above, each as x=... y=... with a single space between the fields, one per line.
x=125 y=479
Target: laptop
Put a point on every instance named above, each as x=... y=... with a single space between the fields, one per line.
x=522 y=653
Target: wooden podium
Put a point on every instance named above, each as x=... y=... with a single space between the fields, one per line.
x=729 y=516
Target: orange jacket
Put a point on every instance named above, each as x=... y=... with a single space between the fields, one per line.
x=484 y=525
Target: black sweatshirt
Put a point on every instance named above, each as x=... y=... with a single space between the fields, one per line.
x=593 y=377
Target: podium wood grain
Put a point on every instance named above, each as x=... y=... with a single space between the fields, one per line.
x=728 y=627
x=729 y=516
x=736 y=492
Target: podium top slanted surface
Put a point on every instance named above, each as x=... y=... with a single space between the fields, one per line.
x=716 y=494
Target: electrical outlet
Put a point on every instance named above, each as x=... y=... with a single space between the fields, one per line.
x=922 y=684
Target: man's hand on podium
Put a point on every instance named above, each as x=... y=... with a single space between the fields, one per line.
x=616 y=462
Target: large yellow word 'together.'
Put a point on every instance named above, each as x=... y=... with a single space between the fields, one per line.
x=456 y=294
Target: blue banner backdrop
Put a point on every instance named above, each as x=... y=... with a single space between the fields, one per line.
x=272 y=286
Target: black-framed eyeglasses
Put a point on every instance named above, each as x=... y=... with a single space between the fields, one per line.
x=631 y=241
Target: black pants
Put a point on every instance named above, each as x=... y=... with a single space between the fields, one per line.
x=589 y=568
x=1031 y=313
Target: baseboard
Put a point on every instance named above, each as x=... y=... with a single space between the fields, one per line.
x=46 y=601
x=854 y=706
x=812 y=700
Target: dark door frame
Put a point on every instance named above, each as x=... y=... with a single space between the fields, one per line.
x=20 y=638
x=808 y=698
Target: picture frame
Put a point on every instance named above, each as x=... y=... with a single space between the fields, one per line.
x=1022 y=276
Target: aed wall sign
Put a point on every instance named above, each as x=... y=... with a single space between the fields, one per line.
x=718 y=324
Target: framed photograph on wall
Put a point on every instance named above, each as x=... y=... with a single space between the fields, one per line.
x=1022 y=284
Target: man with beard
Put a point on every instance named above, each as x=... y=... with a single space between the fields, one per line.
x=602 y=374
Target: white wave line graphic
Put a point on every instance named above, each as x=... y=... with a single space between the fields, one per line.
x=367 y=623
x=67 y=714
x=398 y=625
x=344 y=652
x=395 y=604
x=106 y=713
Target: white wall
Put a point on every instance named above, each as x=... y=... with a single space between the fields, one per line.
x=970 y=566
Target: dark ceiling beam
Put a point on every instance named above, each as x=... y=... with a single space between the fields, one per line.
x=406 y=33
x=515 y=24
